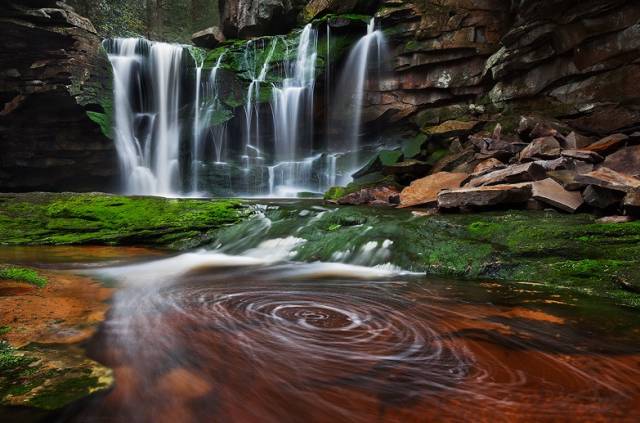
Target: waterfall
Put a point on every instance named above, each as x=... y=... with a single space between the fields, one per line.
x=351 y=87
x=160 y=146
x=147 y=133
x=292 y=106
x=252 y=115
x=205 y=102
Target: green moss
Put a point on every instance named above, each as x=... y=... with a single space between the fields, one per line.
x=21 y=274
x=5 y=330
x=334 y=193
x=52 y=398
x=63 y=219
x=412 y=147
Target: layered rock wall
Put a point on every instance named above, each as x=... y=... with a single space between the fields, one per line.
x=490 y=60
x=55 y=101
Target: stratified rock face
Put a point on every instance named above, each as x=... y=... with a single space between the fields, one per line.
x=55 y=101
x=250 y=18
x=480 y=60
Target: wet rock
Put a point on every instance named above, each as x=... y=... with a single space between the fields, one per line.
x=610 y=179
x=425 y=191
x=552 y=193
x=384 y=195
x=485 y=196
x=49 y=378
x=631 y=203
x=512 y=174
x=626 y=161
x=607 y=144
x=583 y=155
x=602 y=198
x=208 y=38
x=566 y=178
x=541 y=148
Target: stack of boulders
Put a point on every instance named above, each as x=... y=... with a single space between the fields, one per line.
x=543 y=165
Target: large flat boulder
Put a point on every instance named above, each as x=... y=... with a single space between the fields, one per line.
x=550 y=192
x=425 y=191
x=626 y=160
x=513 y=174
x=486 y=196
x=610 y=179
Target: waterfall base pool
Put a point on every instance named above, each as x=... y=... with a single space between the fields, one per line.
x=255 y=338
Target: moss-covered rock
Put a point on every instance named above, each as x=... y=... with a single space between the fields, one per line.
x=562 y=252
x=64 y=219
x=48 y=378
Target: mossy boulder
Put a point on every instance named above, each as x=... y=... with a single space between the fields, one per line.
x=66 y=219
x=48 y=378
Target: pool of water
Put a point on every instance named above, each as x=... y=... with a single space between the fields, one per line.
x=226 y=339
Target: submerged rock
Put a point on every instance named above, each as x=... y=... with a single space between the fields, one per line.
x=425 y=191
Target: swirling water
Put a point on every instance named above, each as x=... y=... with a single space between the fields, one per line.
x=244 y=333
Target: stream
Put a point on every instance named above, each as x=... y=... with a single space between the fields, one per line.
x=241 y=331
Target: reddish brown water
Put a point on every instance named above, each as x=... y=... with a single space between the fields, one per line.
x=265 y=345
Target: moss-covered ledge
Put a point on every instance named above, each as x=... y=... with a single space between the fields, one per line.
x=103 y=219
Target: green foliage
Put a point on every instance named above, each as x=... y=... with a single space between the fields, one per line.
x=64 y=219
x=21 y=274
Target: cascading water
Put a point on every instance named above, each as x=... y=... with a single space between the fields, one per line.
x=153 y=132
x=205 y=103
x=292 y=106
x=147 y=133
x=352 y=85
